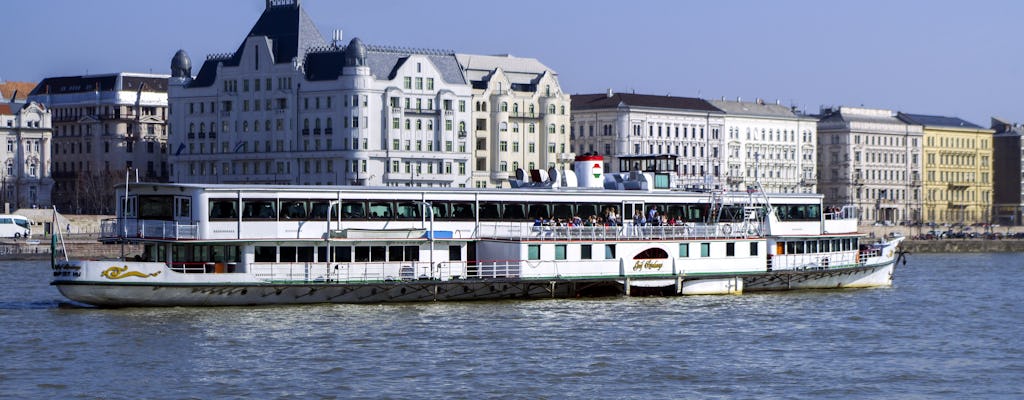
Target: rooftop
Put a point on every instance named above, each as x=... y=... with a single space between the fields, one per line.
x=938 y=121
x=18 y=89
x=613 y=100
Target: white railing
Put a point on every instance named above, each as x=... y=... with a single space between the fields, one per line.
x=523 y=231
x=839 y=259
x=141 y=229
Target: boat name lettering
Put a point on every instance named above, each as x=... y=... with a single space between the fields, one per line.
x=647 y=264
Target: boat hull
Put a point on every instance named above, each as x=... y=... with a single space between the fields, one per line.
x=242 y=294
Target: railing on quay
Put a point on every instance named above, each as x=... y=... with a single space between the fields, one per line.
x=131 y=228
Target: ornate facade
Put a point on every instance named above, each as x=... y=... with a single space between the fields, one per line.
x=620 y=124
x=103 y=126
x=520 y=117
x=957 y=169
x=771 y=142
x=871 y=159
x=25 y=157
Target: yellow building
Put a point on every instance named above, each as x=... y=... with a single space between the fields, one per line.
x=957 y=169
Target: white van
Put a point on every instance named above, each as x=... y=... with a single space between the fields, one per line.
x=15 y=226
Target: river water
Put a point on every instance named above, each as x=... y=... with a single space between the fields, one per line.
x=951 y=327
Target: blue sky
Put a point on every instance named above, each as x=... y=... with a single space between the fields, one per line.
x=951 y=58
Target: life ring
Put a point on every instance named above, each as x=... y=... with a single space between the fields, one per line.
x=17 y=235
x=727 y=230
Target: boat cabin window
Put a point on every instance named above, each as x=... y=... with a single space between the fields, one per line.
x=156 y=207
x=353 y=210
x=440 y=210
x=223 y=209
x=408 y=210
x=293 y=209
x=259 y=209
x=462 y=211
x=539 y=211
x=380 y=209
x=489 y=211
x=514 y=211
x=318 y=210
x=798 y=212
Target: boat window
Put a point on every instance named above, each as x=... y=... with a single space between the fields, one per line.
x=293 y=209
x=514 y=211
x=258 y=209
x=378 y=253
x=609 y=251
x=343 y=254
x=362 y=254
x=753 y=248
x=440 y=210
x=380 y=209
x=650 y=253
x=156 y=207
x=395 y=253
x=408 y=210
x=318 y=210
x=287 y=254
x=223 y=209
x=462 y=211
x=588 y=210
x=562 y=211
x=539 y=211
x=798 y=212
x=454 y=253
x=353 y=210
x=489 y=211
x=305 y=254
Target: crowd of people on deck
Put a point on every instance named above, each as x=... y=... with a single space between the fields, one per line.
x=610 y=217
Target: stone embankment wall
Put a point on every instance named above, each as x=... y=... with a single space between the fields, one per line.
x=964 y=246
x=81 y=250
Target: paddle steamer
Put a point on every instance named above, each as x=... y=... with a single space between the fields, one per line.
x=553 y=234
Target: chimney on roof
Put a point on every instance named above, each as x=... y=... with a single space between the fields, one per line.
x=610 y=93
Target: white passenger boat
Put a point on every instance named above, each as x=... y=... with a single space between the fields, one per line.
x=217 y=245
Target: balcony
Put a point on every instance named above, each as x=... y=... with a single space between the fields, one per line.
x=808 y=182
x=858 y=181
x=959 y=185
x=734 y=180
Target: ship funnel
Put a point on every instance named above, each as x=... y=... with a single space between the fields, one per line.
x=589 y=171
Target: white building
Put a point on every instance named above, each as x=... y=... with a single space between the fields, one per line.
x=25 y=134
x=289 y=107
x=620 y=124
x=770 y=142
x=103 y=126
x=520 y=117
x=870 y=159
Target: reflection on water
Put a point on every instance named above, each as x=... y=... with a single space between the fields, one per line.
x=945 y=329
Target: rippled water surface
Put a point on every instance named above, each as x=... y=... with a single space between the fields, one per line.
x=951 y=327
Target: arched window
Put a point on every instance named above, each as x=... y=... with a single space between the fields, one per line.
x=515 y=127
x=191 y=127
x=317 y=124
x=533 y=128
x=551 y=109
x=245 y=126
x=202 y=128
x=547 y=90
x=266 y=125
x=483 y=106
x=531 y=109
x=419 y=124
x=305 y=123
x=256 y=126
x=462 y=126
x=213 y=127
x=562 y=128
x=515 y=108
x=504 y=126
x=563 y=110
x=330 y=124
x=551 y=128
x=504 y=106
x=651 y=253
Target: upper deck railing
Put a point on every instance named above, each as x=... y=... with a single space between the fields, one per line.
x=518 y=231
x=115 y=228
